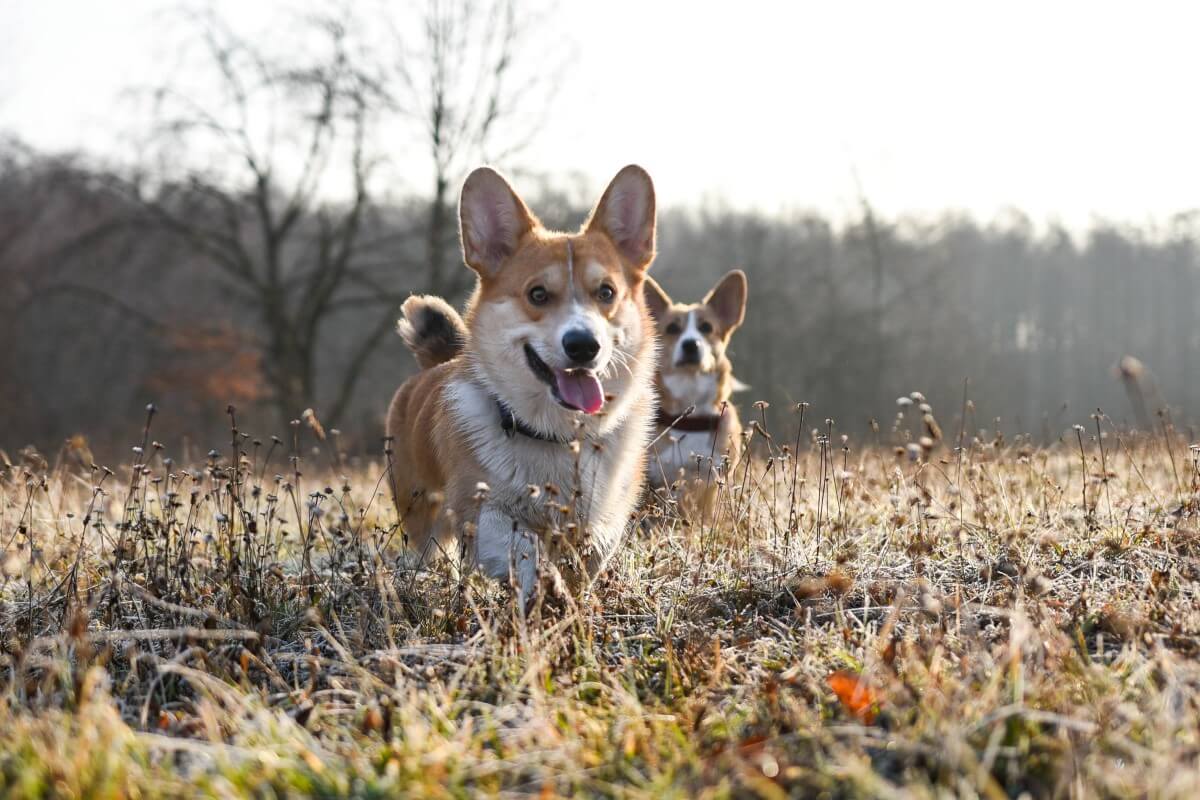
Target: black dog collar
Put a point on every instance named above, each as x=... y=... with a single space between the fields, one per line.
x=512 y=425
x=690 y=423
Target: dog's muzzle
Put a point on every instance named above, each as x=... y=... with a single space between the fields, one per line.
x=689 y=353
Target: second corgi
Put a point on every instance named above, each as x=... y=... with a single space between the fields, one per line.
x=699 y=431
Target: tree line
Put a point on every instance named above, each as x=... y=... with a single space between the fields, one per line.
x=280 y=209
x=100 y=316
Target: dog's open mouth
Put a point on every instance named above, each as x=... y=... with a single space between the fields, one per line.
x=576 y=389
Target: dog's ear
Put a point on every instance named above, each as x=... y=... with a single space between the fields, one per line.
x=492 y=220
x=625 y=214
x=728 y=300
x=657 y=300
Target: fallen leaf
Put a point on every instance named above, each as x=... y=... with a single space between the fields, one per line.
x=855 y=694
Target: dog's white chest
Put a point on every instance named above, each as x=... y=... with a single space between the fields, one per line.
x=699 y=389
x=513 y=464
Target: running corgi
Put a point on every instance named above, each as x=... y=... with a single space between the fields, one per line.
x=699 y=432
x=524 y=436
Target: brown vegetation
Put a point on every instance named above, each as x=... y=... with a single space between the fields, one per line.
x=856 y=621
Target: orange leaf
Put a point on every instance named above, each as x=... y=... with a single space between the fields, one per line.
x=855 y=694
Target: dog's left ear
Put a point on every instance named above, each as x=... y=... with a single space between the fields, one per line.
x=625 y=214
x=728 y=300
x=657 y=300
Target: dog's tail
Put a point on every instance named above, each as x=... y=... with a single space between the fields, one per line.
x=432 y=330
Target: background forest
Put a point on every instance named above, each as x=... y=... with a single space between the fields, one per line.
x=256 y=247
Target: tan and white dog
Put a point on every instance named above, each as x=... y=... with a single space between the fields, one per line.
x=524 y=435
x=698 y=427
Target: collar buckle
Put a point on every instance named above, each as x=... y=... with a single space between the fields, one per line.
x=512 y=426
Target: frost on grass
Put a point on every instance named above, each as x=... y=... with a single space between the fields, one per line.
x=911 y=618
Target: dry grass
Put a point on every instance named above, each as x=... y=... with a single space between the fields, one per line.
x=921 y=621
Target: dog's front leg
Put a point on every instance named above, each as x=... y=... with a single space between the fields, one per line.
x=505 y=551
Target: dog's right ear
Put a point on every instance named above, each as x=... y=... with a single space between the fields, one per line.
x=626 y=214
x=492 y=220
x=657 y=300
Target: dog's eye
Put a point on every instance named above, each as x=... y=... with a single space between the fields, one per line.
x=606 y=293
x=538 y=295
x=705 y=328
x=674 y=328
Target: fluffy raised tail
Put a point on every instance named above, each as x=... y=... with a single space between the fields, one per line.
x=432 y=329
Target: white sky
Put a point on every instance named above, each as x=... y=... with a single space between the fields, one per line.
x=1066 y=110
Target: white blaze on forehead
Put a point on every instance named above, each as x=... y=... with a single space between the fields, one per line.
x=580 y=315
x=571 y=272
x=691 y=333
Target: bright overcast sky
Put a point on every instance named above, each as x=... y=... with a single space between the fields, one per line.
x=1065 y=110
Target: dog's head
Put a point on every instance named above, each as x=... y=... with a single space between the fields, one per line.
x=558 y=323
x=694 y=337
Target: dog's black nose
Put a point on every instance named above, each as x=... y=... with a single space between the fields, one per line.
x=580 y=345
x=690 y=351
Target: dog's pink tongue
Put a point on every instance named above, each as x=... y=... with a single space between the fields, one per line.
x=580 y=389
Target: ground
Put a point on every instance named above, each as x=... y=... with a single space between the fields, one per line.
x=955 y=615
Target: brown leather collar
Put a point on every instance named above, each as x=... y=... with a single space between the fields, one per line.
x=689 y=423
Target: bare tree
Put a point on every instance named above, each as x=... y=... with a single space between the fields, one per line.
x=1041 y=324
x=870 y=226
x=278 y=200
x=268 y=174
x=466 y=89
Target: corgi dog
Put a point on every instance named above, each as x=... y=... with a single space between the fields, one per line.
x=699 y=432
x=524 y=435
